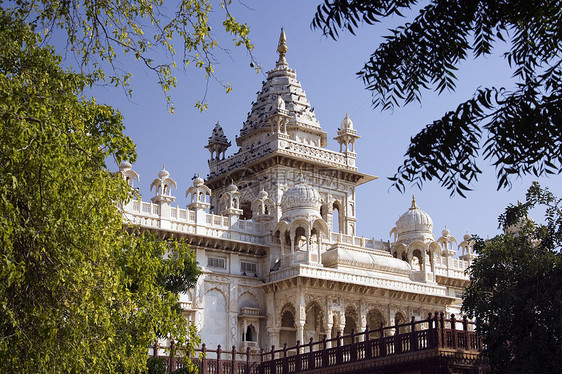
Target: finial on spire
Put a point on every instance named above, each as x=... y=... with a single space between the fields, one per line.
x=414 y=205
x=282 y=47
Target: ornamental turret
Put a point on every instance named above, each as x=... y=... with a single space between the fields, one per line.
x=218 y=143
x=446 y=242
x=230 y=202
x=262 y=207
x=128 y=174
x=467 y=248
x=200 y=195
x=163 y=187
x=347 y=135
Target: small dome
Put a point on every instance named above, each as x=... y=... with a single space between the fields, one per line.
x=467 y=237
x=263 y=194
x=197 y=182
x=414 y=224
x=125 y=165
x=231 y=188
x=446 y=232
x=163 y=173
x=346 y=124
x=301 y=195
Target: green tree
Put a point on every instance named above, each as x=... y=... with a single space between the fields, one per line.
x=79 y=293
x=101 y=35
x=519 y=130
x=515 y=292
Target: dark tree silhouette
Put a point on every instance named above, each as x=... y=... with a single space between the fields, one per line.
x=518 y=130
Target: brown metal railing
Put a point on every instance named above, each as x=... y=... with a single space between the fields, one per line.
x=433 y=332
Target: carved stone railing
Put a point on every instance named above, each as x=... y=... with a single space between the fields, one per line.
x=359 y=241
x=147 y=214
x=311 y=271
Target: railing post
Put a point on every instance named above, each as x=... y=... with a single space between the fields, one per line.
x=339 y=353
x=272 y=361
x=465 y=328
x=397 y=345
x=382 y=345
x=310 y=355
x=325 y=361
x=203 y=358
x=441 y=334
x=172 y=356
x=285 y=363
x=413 y=334
x=432 y=338
x=262 y=369
x=368 y=349
x=247 y=370
x=353 y=350
x=298 y=363
x=454 y=330
x=233 y=361
x=219 y=367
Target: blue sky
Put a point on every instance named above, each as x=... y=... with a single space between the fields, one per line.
x=326 y=70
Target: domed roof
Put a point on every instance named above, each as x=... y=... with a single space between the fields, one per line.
x=414 y=224
x=198 y=181
x=263 y=194
x=301 y=195
x=163 y=173
x=125 y=165
x=346 y=124
x=232 y=188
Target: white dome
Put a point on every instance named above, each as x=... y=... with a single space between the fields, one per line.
x=301 y=196
x=163 y=173
x=197 y=182
x=414 y=224
x=231 y=188
x=346 y=124
x=125 y=165
x=263 y=194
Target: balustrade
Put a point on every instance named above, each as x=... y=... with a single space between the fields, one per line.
x=432 y=333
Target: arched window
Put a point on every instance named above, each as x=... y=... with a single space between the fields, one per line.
x=250 y=334
x=336 y=219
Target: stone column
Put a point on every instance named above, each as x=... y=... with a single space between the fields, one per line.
x=362 y=323
x=328 y=328
x=300 y=330
x=300 y=318
x=273 y=337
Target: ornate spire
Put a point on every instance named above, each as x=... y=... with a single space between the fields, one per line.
x=414 y=205
x=282 y=47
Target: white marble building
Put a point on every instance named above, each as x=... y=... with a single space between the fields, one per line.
x=274 y=230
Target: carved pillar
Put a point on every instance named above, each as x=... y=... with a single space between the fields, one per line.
x=319 y=248
x=293 y=238
x=300 y=318
x=308 y=254
x=232 y=334
x=362 y=323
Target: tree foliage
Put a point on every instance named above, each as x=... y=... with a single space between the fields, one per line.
x=516 y=289
x=518 y=130
x=100 y=33
x=79 y=293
